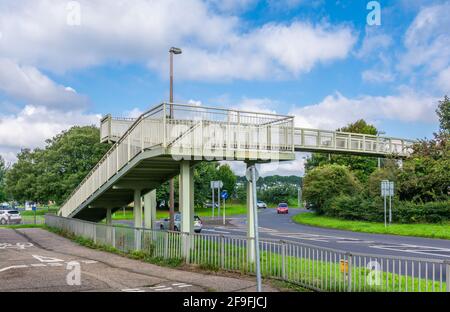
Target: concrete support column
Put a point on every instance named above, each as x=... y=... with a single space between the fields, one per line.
x=250 y=221
x=186 y=197
x=108 y=216
x=187 y=206
x=137 y=211
x=149 y=209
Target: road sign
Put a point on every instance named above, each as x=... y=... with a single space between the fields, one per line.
x=248 y=174
x=224 y=194
x=216 y=184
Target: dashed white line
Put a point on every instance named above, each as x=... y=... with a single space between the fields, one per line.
x=162 y=289
x=133 y=290
x=14 y=267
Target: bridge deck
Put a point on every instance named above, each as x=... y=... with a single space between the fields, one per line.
x=147 y=150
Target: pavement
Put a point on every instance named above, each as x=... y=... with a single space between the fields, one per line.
x=37 y=260
x=274 y=226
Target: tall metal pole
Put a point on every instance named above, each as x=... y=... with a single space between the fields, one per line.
x=390 y=209
x=385 y=221
x=218 y=201
x=213 y=201
x=171 y=183
x=255 y=226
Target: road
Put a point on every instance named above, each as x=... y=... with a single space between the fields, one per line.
x=37 y=260
x=276 y=226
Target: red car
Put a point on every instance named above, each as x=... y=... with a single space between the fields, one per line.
x=282 y=208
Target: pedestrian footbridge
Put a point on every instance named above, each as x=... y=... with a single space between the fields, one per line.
x=170 y=139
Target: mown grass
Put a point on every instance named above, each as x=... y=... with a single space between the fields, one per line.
x=420 y=230
x=230 y=210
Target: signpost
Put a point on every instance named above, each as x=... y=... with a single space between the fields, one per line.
x=387 y=190
x=253 y=176
x=33 y=207
x=224 y=196
x=216 y=185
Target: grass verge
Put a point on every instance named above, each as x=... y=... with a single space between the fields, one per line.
x=419 y=230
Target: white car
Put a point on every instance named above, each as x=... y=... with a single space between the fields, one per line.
x=10 y=217
x=164 y=225
x=261 y=204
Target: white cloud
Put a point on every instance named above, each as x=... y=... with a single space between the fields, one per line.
x=34 y=124
x=427 y=40
x=337 y=110
x=373 y=43
x=443 y=80
x=215 y=46
x=28 y=84
x=232 y=6
x=377 y=76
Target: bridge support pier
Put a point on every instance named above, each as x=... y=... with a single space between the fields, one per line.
x=186 y=204
x=250 y=221
x=137 y=211
x=108 y=216
x=149 y=209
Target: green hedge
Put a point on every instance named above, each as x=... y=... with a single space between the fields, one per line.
x=364 y=209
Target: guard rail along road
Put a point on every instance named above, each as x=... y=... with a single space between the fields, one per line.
x=312 y=267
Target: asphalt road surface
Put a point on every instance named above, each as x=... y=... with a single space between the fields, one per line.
x=37 y=260
x=274 y=226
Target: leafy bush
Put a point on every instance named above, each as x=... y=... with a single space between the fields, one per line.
x=322 y=184
x=372 y=209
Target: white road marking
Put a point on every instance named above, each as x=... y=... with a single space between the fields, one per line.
x=182 y=286
x=38 y=264
x=423 y=250
x=46 y=259
x=215 y=231
x=14 y=267
x=133 y=290
x=155 y=287
x=21 y=246
x=354 y=242
x=54 y=264
x=89 y=261
x=162 y=289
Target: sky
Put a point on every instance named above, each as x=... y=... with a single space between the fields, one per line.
x=328 y=63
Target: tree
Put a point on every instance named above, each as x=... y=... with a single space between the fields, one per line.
x=322 y=184
x=443 y=112
x=52 y=173
x=362 y=166
x=3 y=170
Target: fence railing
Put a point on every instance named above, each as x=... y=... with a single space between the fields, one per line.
x=350 y=142
x=185 y=129
x=317 y=268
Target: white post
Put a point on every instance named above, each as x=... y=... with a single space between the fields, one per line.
x=186 y=201
x=149 y=209
x=186 y=197
x=250 y=222
x=255 y=226
x=137 y=211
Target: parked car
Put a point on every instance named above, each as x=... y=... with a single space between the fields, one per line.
x=209 y=205
x=10 y=217
x=164 y=225
x=282 y=208
x=261 y=204
x=309 y=206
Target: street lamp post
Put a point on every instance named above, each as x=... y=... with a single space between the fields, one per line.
x=172 y=51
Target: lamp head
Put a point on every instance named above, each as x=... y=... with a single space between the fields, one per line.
x=175 y=50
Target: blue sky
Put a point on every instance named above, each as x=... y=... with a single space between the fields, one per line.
x=69 y=62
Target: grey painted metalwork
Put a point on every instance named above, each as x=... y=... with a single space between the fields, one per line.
x=313 y=267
